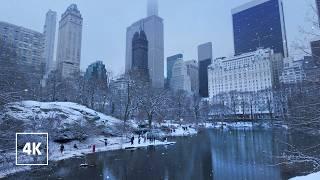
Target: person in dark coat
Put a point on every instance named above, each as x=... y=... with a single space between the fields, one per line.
x=61 y=148
x=132 y=139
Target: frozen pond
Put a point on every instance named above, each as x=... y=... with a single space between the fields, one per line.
x=212 y=154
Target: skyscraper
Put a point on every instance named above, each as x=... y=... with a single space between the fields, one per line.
x=153 y=28
x=152 y=9
x=180 y=79
x=193 y=73
x=170 y=62
x=69 y=42
x=204 y=60
x=318 y=9
x=49 y=39
x=140 y=55
x=259 y=24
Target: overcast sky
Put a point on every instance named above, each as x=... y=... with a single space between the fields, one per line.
x=187 y=23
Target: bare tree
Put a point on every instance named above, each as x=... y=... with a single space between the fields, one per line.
x=152 y=101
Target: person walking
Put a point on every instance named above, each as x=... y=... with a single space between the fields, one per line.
x=61 y=148
x=132 y=140
x=105 y=142
x=94 y=148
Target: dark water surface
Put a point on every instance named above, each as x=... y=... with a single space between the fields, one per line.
x=212 y=154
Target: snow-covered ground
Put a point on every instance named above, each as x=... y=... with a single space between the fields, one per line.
x=179 y=131
x=313 y=176
x=114 y=143
x=31 y=113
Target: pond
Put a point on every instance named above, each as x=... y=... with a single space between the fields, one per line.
x=212 y=154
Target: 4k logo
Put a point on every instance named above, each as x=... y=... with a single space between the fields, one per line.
x=35 y=148
x=32 y=149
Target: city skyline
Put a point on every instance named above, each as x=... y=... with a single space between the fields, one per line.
x=110 y=40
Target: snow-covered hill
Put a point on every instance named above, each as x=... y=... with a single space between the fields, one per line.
x=69 y=111
x=64 y=120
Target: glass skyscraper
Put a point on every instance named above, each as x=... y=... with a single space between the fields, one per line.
x=259 y=24
x=170 y=62
x=204 y=60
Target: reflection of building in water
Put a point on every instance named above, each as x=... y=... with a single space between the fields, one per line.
x=244 y=155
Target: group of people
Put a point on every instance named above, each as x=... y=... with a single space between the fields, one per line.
x=145 y=137
x=76 y=147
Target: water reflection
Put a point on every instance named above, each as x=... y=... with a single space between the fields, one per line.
x=245 y=155
x=212 y=154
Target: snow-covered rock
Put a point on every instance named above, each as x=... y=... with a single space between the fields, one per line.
x=63 y=120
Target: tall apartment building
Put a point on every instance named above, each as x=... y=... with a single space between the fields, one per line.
x=204 y=60
x=49 y=40
x=69 y=42
x=26 y=58
x=29 y=45
x=171 y=60
x=180 y=79
x=259 y=24
x=152 y=25
x=193 y=73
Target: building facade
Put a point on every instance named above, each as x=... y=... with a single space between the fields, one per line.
x=244 y=83
x=21 y=57
x=293 y=72
x=69 y=42
x=243 y=73
x=97 y=71
x=152 y=25
x=140 y=55
x=193 y=73
x=311 y=69
x=170 y=62
x=259 y=24
x=180 y=79
x=29 y=45
x=318 y=9
x=49 y=40
x=204 y=60
x=315 y=50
